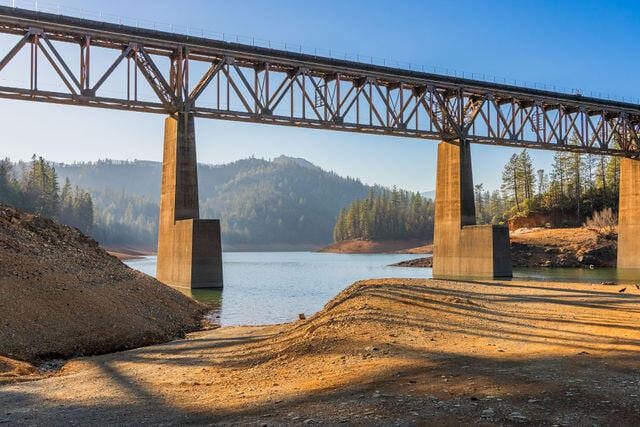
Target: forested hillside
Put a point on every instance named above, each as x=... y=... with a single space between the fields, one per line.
x=35 y=187
x=285 y=201
x=386 y=215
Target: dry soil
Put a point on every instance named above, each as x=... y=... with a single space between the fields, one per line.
x=382 y=352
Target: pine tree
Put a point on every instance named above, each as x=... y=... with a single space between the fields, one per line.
x=527 y=177
x=558 y=171
x=339 y=228
x=575 y=176
x=8 y=185
x=542 y=182
x=510 y=181
x=41 y=188
x=66 y=204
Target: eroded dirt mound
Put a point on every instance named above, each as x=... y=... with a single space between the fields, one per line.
x=61 y=295
x=11 y=370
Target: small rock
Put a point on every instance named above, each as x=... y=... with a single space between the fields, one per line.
x=488 y=413
x=517 y=416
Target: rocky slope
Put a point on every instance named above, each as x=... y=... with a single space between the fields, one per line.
x=562 y=247
x=61 y=295
x=555 y=247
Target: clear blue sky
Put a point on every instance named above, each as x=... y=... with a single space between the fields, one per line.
x=590 y=45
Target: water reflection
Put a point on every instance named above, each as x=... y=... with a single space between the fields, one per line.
x=210 y=297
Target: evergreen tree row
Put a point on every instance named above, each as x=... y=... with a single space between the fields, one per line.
x=36 y=190
x=386 y=215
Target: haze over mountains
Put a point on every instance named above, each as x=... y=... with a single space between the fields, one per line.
x=283 y=203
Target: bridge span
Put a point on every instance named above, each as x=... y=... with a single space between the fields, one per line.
x=195 y=77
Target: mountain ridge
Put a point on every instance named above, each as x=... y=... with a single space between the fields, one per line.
x=285 y=201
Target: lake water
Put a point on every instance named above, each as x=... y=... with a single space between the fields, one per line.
x=274 y=287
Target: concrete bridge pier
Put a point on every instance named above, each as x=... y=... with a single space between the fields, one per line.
x=629 y=215
x=189 y=248
x=463 y=249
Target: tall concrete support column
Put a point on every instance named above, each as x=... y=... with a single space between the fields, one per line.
x=629 y=215
x=463 y=249
x=189 y=248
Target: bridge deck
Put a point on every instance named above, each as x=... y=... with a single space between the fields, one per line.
x=257 y=84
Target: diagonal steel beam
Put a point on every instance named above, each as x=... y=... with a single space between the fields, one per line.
x=9 y=56
x=248 y=86
x=62 y=62
x=236 y=89
x=372 y=106
x=213 y=70
x=57 y=69
x=306 y=97
x=110 y=70
x=154 y=77
x=317 y=90
x=282 y=90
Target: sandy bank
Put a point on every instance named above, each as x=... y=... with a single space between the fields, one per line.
x=373 y=247
x=61 y=295
x=412 y=351
x=124 y=253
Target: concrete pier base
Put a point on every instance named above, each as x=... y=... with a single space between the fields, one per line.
x=463 y=249
x=629 y=215
x=189 y=248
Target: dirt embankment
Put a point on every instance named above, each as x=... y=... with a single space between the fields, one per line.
x=377 y=247
x=551 y=247
x=61 y=295
x=562 y=247
x=412 y=352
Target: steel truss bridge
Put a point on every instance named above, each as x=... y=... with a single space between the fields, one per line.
x=231 y=81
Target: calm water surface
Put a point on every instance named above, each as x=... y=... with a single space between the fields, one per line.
x=273 y=287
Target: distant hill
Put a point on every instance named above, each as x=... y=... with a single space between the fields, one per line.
x=282 y=202
x=429 y=194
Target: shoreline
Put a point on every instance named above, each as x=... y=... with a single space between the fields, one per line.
x=379 y=247
x=125 y=253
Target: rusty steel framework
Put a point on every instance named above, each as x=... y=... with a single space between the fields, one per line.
x=251 y=84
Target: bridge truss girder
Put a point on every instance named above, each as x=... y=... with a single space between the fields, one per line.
x=245 y=83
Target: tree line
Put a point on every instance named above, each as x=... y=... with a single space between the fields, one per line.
x=386 y=215
x=577 y=186
x=35 y=189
